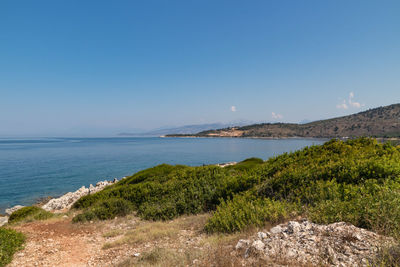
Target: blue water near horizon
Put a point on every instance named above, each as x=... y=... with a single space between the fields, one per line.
x=31 y=169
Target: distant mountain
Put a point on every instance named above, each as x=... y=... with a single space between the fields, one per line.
x=377 y=122
x=186 y=129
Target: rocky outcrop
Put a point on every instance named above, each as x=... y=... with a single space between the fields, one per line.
x=223 y=165
x=3 y=220
x=306 y=243
x=15 y=208
x=66 y=201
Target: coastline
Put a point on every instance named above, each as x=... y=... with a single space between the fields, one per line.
x=64 y=202
x=255 y=137
x=380 y=139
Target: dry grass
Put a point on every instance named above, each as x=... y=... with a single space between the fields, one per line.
x=169 y=250
x=387 y=256
x=166 y=244
x=113 y=233
x=149 y=232
x=164 y=257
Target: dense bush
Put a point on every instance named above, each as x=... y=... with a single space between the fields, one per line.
x=246 y=210
x=357 y=181
x=29 y=214
x=372 y=206
x=165 y=191
x=105 y=210
x=10 y=242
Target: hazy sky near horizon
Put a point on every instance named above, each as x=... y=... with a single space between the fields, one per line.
x=102 y=67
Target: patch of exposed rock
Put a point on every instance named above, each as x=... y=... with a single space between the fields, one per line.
x=3 y=220
x=223 y=165
x=15 y=208
x=305 y=243
x=66 y=201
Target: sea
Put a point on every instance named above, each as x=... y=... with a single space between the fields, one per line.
x=35 y=168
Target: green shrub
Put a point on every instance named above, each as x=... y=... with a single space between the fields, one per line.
x=246 y=164
x=351 y=162
x=372 y=206
x=105 y=210
x=165 y=192
x=10 y=242
x=355 y=181
x=30 y=213
x=246 y=210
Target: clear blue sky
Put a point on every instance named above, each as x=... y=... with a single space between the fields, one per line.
x=102 y=67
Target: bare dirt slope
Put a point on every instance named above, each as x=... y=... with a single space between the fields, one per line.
x=61 y=243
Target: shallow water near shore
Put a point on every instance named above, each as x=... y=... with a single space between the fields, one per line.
x=31 y=169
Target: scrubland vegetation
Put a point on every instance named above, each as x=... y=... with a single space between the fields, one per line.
x=10 y=242
x=356 y=181
x=31 y=213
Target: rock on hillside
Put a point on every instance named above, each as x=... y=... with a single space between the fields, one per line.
x=337 y=244
x=15 y=208
x=3 y=220
x=66 y=201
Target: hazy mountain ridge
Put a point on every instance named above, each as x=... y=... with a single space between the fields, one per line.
x=186 y=129
x=377 y=122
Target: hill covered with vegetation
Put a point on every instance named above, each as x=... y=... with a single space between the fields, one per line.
x=377 y=122
x=356 y=181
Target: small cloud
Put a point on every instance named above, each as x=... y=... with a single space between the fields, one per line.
x=349 y=103
x=233 y=108
x=276 y=116
x=343 y=105
x=352 y=103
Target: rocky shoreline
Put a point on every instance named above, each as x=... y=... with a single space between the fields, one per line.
x=64 y=202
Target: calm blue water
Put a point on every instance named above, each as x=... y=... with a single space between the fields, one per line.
x=31 y=169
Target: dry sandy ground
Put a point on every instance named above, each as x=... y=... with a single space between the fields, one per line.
x=59 y=242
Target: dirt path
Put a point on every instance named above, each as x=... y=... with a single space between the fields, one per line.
x=61 y=243
x=56 y=243
x=121 y=242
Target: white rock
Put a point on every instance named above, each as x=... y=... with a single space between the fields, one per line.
x=258 y=245
x=242 y=243
x=66 y=201
x=275 y=230
x=262 y=235
x=293 y=227
x=306 y=243
x=136 y=254
x=3 y=220
x=223 y=165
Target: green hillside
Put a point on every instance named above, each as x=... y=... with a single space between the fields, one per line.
x=377 y=122
x=357 y=181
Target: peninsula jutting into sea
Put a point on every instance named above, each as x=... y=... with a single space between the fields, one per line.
x=381 y=122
